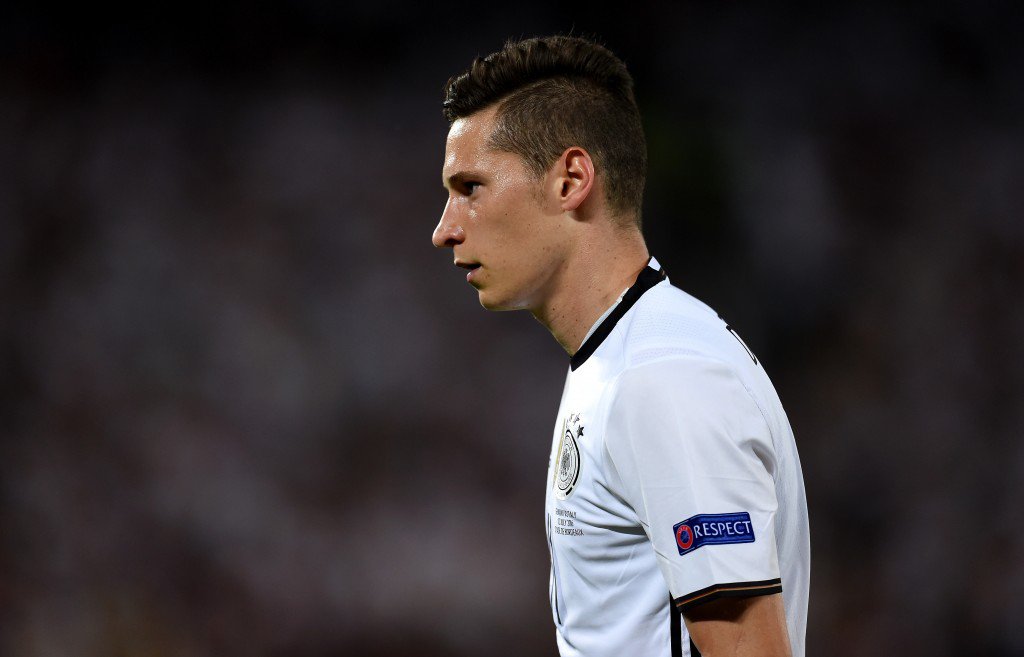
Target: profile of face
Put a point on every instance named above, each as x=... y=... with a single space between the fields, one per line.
x=500 y=221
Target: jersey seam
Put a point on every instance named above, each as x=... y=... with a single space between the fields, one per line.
x=606 y=402
x=613 y=387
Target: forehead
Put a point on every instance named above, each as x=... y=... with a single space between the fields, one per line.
x=467 y=143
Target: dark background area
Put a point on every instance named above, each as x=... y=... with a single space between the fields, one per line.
x=246 y=408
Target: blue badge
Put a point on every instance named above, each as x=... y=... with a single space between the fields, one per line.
x=713 y=529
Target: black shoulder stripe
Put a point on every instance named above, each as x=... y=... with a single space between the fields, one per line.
x=647 y=279
x=732 y=590
x=675 y=629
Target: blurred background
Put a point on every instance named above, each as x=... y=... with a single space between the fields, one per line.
x=247 y=409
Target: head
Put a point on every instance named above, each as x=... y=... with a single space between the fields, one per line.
x=543 y=133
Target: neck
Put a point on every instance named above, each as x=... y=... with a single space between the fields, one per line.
x=589 y=282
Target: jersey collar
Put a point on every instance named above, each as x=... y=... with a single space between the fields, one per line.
x=650 y=276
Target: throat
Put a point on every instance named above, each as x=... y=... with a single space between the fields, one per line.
x=572 y=324
x=604 y=316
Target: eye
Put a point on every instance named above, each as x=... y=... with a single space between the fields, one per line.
x=470 y=186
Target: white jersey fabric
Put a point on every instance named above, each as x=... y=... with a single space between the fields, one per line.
x=674 y=480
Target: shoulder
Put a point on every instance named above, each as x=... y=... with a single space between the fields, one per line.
x=696 y=381
x=674 y=344
x=668 y=322
x=691 y=407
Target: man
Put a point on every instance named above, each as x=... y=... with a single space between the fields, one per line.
x=674 y=487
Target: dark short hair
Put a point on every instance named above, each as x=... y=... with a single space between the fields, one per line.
x=556 y=92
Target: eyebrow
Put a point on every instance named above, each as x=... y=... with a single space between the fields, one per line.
x=457 y=178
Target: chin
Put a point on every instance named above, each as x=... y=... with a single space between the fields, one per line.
x=492 y=301
x=492 y=304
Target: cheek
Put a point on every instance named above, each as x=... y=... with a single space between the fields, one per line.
x=513 y=226
x=519 y=242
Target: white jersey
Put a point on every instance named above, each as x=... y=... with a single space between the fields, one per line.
x=674 y=480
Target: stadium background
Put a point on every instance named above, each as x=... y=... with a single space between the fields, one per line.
x=248 y=410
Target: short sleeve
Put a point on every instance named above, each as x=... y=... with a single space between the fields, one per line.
x=694 y=457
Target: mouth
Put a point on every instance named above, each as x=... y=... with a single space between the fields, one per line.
x=470 y=266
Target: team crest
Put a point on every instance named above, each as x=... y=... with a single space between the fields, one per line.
x=567 y=467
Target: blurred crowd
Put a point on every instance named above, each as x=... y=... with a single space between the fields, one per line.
x=246 y=409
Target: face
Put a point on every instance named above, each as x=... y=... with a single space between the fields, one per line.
x=498 y=221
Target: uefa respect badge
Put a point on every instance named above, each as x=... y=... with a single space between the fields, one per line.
x=713 y=529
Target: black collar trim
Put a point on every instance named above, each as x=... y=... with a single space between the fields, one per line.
x=647 y=279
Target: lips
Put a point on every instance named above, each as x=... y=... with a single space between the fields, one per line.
x=471 y=266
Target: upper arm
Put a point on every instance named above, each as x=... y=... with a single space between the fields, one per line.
x=695 y=458
x=740 y=627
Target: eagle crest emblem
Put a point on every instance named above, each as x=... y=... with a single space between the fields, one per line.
x=567 y=465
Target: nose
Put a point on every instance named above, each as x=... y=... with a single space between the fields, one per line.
x=449 y=230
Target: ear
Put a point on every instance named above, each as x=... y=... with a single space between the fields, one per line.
x=575 y=178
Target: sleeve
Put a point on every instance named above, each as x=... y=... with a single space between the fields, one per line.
x=694 y=456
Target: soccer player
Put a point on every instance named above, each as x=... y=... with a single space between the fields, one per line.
x=676 y=516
